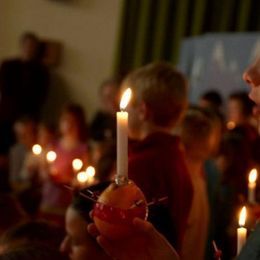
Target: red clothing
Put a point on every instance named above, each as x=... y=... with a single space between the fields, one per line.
x=157 y=166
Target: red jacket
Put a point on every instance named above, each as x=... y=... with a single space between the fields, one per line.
x=157 y=166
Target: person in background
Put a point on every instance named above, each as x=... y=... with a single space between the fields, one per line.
x=103 y=125
x=239 y=115
x=71 y=145
x=156 y=159
x=25 y=131
x=78 y=244
x=211 y=100
x=198 y=134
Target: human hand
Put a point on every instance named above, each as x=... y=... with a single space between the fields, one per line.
x=145 y=244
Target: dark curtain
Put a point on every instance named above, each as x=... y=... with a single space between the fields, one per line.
x=153 y=29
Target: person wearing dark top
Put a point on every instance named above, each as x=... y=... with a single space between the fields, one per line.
x=156 y=160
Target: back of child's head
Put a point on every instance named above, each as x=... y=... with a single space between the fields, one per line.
x=32 y=232
x=213 y=99
x=163 y=90
x=197 y=130
x=34 y=252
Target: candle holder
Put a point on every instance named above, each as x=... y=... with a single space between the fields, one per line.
x=116 y=208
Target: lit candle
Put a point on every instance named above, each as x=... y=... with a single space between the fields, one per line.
x=77 y=165
x=241 y=231
x=37 y=149
x=82 y=177
x=122 y=139
x=252 y=185
x=90 y=171
x=51 y=156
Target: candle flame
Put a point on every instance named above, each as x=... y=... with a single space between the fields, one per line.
x=51 y=156
x=231 y=125
x=82 y=177
x=77 y=164
x=37 y=149
x=242 y=217
x=252 y=176
x=90 y=171
x=125 y=98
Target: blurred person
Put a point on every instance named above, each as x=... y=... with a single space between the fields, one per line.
x=57 y=174
x=211 y=99
x=239 y=115
x=23 y=89
x=25 y=131
x=78 y=244
x=156 y=158
x=198 y=133
x=103 y=125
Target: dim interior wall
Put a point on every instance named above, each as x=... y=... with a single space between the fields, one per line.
x=86 y=28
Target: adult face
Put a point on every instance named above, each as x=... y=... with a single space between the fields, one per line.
x=252 y=77
x=78 y=244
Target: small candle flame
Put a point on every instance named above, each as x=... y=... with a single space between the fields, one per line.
x=90 y=171
x=125 y=98
x=37 y=149
x=77 y=164
x=82 y=177
x=51 y=156
x=231 y=125
x=242 y=217
x=252 y=176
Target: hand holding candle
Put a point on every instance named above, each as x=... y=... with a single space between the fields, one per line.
x=241 y=231
x=252 y=186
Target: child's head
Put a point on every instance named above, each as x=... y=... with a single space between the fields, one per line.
x=25 y=131
x=159 y=97
x=239 y=108
x=72 y=122
x=211 y=100
x=200 y=133
x=108 y=95
x=78 y=244
x=46 y=134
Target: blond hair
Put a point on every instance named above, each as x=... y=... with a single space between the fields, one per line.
x=162 y=88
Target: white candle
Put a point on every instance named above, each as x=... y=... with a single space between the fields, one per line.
x=77 y=165
x=241 y=231
x=252 y=185
x=37 y=149
x=122 y=139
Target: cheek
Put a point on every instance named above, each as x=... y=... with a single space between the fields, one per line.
x=255 y=95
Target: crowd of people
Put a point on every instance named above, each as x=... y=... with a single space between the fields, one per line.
x=198 y=156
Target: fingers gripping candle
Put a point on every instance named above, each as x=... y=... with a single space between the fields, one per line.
x=122 y=139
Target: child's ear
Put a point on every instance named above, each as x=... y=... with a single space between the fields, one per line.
x=143 y=112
